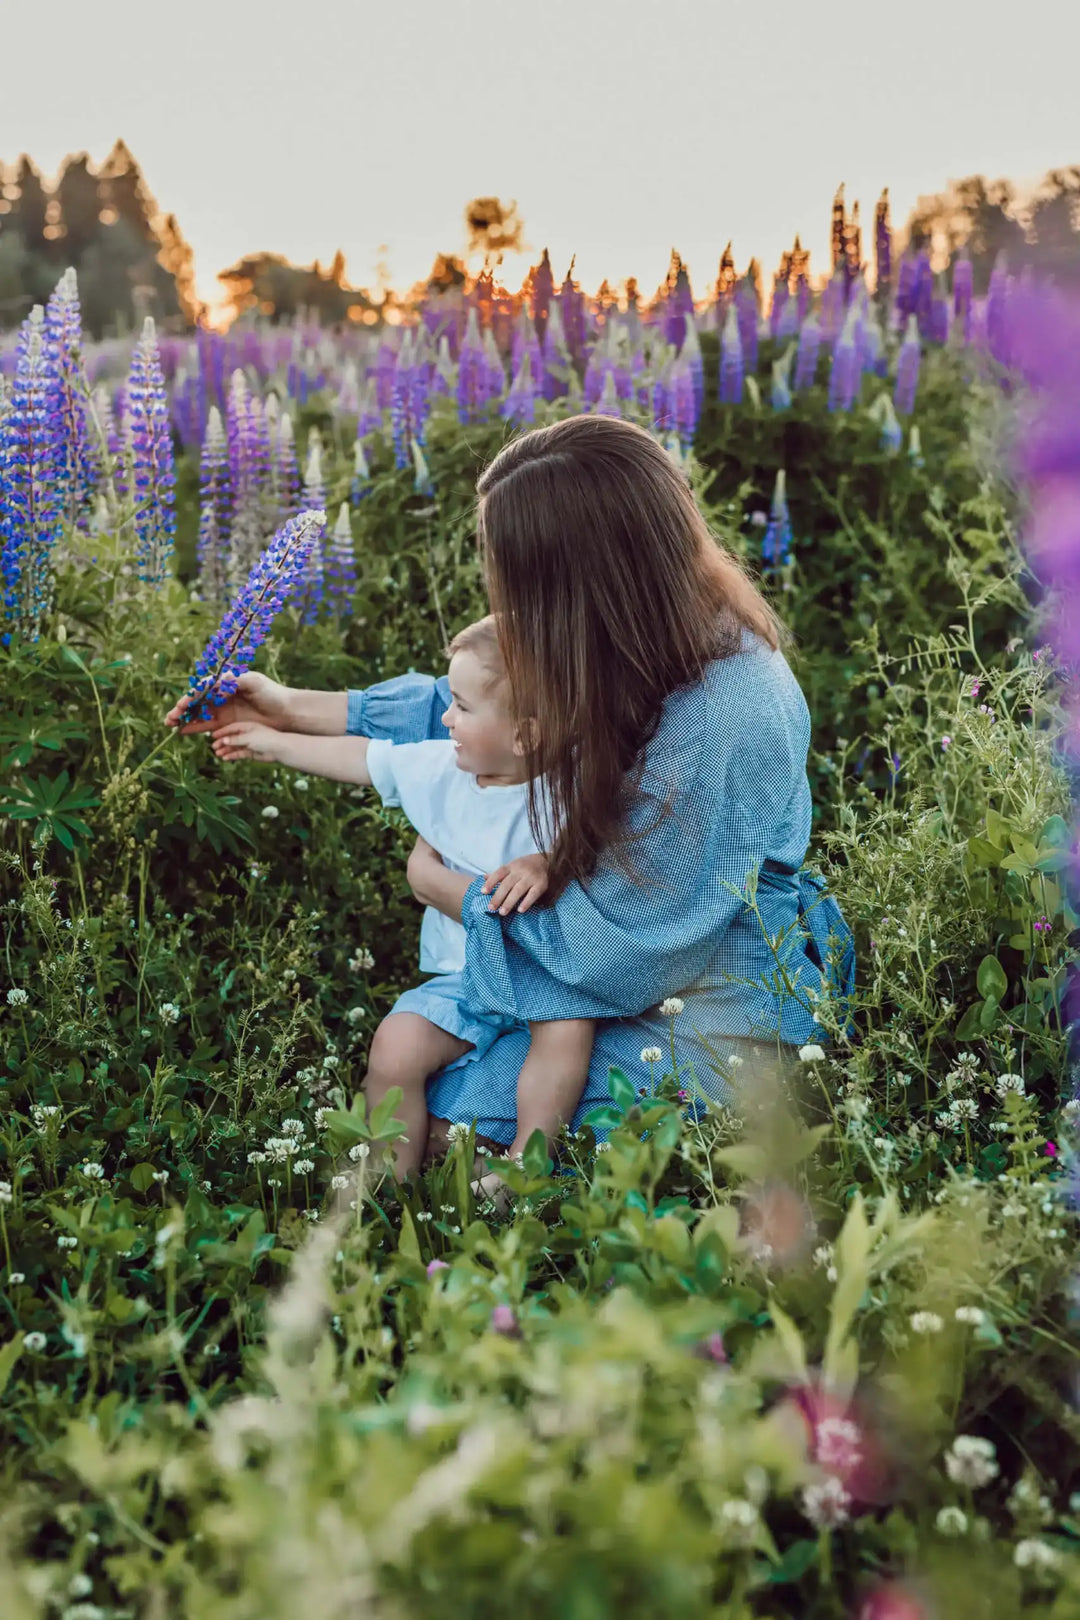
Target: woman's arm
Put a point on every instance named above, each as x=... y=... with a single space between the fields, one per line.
x=408 y=708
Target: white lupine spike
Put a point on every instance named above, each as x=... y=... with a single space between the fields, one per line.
x=360 y=464
x=313 y=469
x=215 y=429
x=343 y=526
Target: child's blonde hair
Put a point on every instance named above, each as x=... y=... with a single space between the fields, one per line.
x=482 y=640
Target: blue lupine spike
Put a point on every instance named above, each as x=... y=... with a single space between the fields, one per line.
x=401 y=423
x=63 y=337
x=341 y=566
x=731 y=359
x=776 y=541
x=276 y=576
x=31 y=459
x=683 y=404
x=147 y=421
x=907 y=369
x=807 y=359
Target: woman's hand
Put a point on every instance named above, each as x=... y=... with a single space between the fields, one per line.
x=257 y=698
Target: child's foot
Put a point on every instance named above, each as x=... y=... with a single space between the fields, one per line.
x=493 y=1188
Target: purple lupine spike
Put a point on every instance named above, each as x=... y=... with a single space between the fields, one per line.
x=400 y=403
x=661 y=403
x=214 y=511
x=731 y=359
x=247 y=451
x=963 y=294
x=147 y=423
x=691 y=353
x=882 y=244
x=341 y=566
x=519 y=405
x=313 y=495
x=275 y=578
x=776 y=541
x=938 y=323
x=525 y=343
x=608 y=403
x=572 y=310
x=845 y=373
x=747 y=313
x=997 y=337
x=907 y=369
x=63 y=338
x=31 y=458
x=420 y=393
x=683 y=404
x=780 y=394
x=543 y=288
x=781 y=297
x=807 y=358
x=383 y=374
x=833 y=303
x=558 y=367
x=495 y=372
x=787 y=326
x=905 y=288
x=472 y=366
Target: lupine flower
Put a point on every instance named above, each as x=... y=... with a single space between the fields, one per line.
x=519 y=405
x=747 y=312
x=776 y=541
x=422 y=480
x=907 y=369
x=807 y=358
x=731 y=359
x=63 y=339
x=212 y=542
x=844 y=373
x=341 y=566
x=276 y=577
x=997 y=305
x=287 y=472
x=780 y=395
x=313 y=498
x=892 y=434
x=472 y=374
x=146 y=418
x=30 y=482
x=558 y=365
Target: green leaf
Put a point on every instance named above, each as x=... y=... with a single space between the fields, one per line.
x=9 y=1355
x=997 y=829
x=622 y=1092
x=969 y=1026
x=383 y=1113
x=991 y=979
x=535 y=1158
x=797 y=1559
x=988 y=1015
x=604 y=1118
x=142 y=1177
x=408 y=1242
x=791 y=1340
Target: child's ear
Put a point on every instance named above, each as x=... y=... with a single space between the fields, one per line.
x=525 y=738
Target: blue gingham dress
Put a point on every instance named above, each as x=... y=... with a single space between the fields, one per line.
x=729 y=756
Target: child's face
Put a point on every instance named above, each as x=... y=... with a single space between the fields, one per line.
x=478 y=720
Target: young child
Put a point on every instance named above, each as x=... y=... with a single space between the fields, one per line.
x=467 y=797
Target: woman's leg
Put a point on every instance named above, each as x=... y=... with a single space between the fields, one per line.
x=407 y=1049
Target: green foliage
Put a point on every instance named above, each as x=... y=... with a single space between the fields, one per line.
x=241 y=1371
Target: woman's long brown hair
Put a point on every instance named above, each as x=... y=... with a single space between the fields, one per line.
x=610 y=593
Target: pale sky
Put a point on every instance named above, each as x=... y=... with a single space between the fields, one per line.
x=622 y=129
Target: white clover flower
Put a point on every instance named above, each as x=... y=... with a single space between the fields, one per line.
x=926 y=1322
x=292 y=1127
x=169 y=1012
x=964 y=1108
x=270 y=812
x=16 y=1277
x=812 y=1053
x=837 y=1444
x=970 y=1315
x=65 y=1242
x=823 y=1254
x=321 y=1114
x=41 y=1113
x=971 y=1461
x=354 y=1015
x=969 y=1061
x=827 y=1504
x=331 y=1060
x=93 y=1170
x=304 y=1167
x=6 y=1194
x=34 y=1341
x=257 y=1157
x=361 y=960
x=651 y=1054
x=1009 y=1082
x=952 y=1521
x=671 y=1007
x=273 y=1181
x=161 y=1177
x=359 y=1151
x=1071 y=1109
x=1035 y=1554
x=311 y=1214
x=603 y=1147
x=457 y=1132
x=80 y=1585
x=301 y=784
x=339 y=1183
x=17 y=997
x=740 y=1517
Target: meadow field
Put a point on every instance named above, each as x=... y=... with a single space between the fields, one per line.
x=811 y=1355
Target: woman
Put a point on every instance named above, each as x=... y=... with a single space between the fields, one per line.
x=622 y=621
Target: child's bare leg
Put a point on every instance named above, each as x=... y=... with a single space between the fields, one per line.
x=551 y=1082
x=406 y=1051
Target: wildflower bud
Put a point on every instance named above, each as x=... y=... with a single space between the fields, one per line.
x=504 y=1321
x=441 y=1265
x=711 y=1349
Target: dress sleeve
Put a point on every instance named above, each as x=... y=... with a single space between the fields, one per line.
x=402 y=710
x=618 y=947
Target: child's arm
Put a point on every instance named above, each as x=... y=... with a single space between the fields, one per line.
x=521 y=882
x=342 y=759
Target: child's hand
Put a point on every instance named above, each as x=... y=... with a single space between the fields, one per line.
x=492 y=1186
x=519 y=883
x=247 y=739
